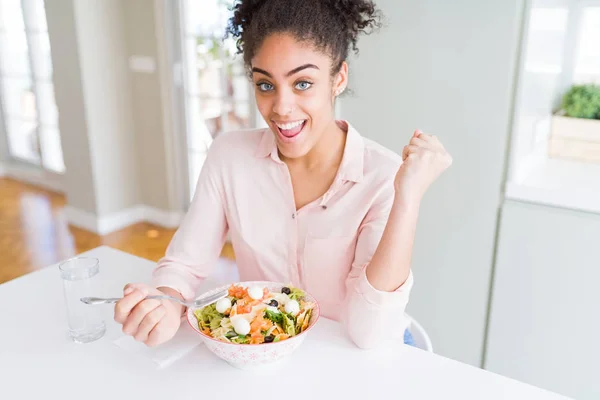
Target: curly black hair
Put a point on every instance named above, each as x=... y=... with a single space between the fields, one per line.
x=332 y=26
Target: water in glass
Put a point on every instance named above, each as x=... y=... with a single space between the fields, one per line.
x=79 y=280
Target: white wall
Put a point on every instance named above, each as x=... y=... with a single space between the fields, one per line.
x=108 y=103
x=112 y=121
x=545 y=324
x=446 y=67
x=3 y=147
x=68 y=91
x=148 y=113
x=3 y=142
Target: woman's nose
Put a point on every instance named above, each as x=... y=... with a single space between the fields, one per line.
x=284 y=104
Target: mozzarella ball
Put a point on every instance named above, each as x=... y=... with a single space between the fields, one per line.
x=241 y=326
x=223 y=305
x=281 y=298
x=255 y=292
x=292 y=307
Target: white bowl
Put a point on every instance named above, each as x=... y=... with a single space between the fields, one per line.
x=246 y=356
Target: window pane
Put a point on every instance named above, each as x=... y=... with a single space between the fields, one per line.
x=239 y=116
x=14 y=60
x=22 y=139
x=207 y=18
x=18 y=99
x=42 y=60
x=35 y=18
x=192 y=66
x=199 y=137
x=220 y=115
x=210 y=80
x=205 y=75
x=238 y=83
x=51 y=149
x=47 y=104
x=587 y=62
x=546 y=34
x=11 y=15
x=211 y=110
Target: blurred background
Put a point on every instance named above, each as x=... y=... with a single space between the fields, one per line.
x=108 y=107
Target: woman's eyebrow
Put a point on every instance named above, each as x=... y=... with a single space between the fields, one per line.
x=290 y=73
x=300 y=68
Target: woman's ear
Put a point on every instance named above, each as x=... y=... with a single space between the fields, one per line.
x=341 y=79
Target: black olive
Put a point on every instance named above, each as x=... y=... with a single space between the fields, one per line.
x=286 y=290
x=273 y=303
x=269 y=339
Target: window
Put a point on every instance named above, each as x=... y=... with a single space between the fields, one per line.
x=587 y=61
x=217 y=91
x=554 y=159
x=539 y=80
x=29 y=113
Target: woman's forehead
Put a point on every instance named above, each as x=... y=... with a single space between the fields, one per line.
x=281 y=53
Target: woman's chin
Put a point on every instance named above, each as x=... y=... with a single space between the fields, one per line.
x=295 y=150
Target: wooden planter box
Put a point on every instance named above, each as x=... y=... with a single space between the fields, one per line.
x=575 y=138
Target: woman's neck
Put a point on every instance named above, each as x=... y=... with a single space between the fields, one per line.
x=327 y=152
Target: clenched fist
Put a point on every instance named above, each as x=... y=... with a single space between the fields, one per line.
x=424 y=160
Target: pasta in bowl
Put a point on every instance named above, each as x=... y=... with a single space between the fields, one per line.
x=257 y=323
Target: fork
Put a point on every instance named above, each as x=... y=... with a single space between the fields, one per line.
x=200 y=302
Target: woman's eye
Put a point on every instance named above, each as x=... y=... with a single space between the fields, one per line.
x=303 y=85
x=264 y=87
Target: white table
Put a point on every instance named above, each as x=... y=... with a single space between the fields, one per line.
x=38 y=360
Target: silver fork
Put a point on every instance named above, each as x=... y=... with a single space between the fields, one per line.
x=200 y=302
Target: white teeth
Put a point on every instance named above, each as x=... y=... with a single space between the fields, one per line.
x=290 y=125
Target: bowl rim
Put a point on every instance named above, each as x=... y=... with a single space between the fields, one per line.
x=266 y=283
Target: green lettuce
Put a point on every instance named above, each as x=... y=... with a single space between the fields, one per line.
x=276 y=317
x=230 y=334
x=241 y=339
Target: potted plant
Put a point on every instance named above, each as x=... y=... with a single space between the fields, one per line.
x=576 y=127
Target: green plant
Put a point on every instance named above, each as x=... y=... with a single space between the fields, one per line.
x=582 y=101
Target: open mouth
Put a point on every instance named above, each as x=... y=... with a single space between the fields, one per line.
x=290 y=130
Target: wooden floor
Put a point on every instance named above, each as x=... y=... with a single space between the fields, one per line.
x=34 y=232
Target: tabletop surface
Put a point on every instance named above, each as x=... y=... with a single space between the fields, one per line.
x=37 y=358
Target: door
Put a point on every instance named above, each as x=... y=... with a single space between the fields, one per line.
x=28 y=111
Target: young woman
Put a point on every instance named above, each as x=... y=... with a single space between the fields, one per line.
x=308 y=200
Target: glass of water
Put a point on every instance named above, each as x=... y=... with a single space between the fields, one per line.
x=79 y=280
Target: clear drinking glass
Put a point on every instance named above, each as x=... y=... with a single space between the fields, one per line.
x=79 y=280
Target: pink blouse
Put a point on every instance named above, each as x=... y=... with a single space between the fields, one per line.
x=245 y=189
